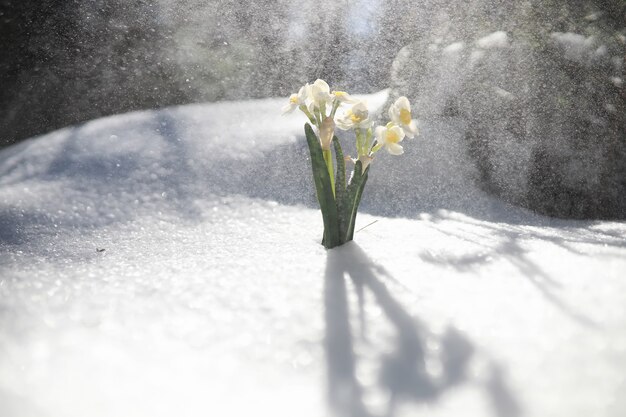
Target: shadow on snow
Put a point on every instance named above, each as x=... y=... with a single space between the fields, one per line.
x=403 y=376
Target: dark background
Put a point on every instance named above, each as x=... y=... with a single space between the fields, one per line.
x=67 y=61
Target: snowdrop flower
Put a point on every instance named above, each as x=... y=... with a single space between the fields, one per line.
x=319 y=95
x=297 y=100
x=327 y=130
x=356 y=117
x=390 y=136
x=400 y=114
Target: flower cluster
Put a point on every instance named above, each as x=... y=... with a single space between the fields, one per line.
x=339 y=198
x=320 y=105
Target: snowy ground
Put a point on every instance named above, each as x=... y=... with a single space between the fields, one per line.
x=168 y=263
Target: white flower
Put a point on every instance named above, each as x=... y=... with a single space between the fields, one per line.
x=297 y=100
x=355 y=117
x=390 y=136
x=319 y=95
x=344 y=97
x=400 y=114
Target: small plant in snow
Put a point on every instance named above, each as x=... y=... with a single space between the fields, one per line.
x=339 y=198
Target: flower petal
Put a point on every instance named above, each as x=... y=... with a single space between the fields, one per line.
x=344 y=97
x=341 y=124
x=411 y=129
x=398 y=131
x=402 y=103
x=289 y=108
x=321 y=85
x=304 y=93
x=394 y=149
x=379 y=133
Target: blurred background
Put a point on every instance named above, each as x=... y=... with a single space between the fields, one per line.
x=66 y=61
x=537 y=85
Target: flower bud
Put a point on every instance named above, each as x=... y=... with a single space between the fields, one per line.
x=327 y=130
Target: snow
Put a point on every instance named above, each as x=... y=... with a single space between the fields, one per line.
x=453 y=48
x=494 y=40
x=168 y=263
x=577 y=47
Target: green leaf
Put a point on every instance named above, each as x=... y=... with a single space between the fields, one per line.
x=324 y=190
x=357 y=202
x=340 y=189
x=354 y=192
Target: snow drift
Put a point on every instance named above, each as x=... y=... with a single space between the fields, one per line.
x=168 y=263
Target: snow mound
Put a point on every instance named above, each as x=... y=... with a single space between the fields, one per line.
x=168 y=263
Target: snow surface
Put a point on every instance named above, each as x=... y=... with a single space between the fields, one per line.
x=167 y=263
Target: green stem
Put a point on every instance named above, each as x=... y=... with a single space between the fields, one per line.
x=328 y=158
x=318 y=118
x=308 y=114
x=376 y=147
x=359 y=141
x=368 y=141
x=335 y=107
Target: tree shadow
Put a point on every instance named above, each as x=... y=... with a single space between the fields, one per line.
x=506 y=242
x=403 y=372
